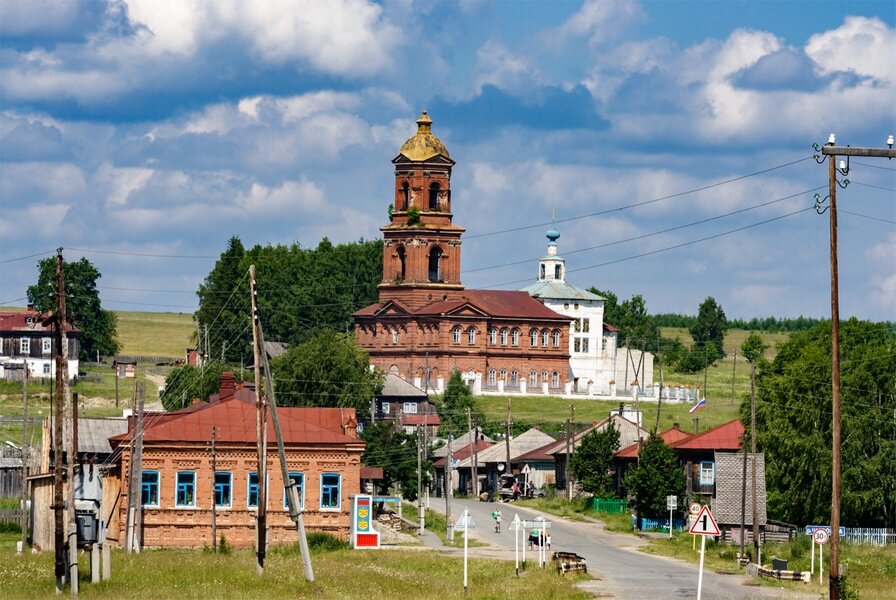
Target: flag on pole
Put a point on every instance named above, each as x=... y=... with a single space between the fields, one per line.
x=700 y=404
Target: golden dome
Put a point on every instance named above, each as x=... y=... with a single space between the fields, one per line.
x=424 y=145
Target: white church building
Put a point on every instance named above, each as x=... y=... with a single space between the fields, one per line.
x=598 y=365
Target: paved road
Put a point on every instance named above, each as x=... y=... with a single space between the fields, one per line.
x=624 y=572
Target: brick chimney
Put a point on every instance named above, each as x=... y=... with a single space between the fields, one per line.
x=228 y=384
x=676 y=426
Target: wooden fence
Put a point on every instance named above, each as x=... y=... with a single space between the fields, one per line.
x=12 y=515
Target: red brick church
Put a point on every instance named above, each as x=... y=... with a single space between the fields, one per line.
x=426 y=324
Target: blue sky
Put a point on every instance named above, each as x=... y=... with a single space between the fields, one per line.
x=142 y=134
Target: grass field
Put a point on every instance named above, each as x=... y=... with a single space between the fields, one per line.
x=155 y=334
x=382 y=574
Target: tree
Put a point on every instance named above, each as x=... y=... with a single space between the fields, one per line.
x=637 y=329
x=793 y=414
x=187 y=383
x=753 y=347
x=710 y=329
x=591 y=463
x=396 y=452
x=457 y=399
x=223 y=301
x=328 y=370
x=82 y=302
x=657 y=475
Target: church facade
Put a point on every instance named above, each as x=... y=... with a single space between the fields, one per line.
x=426 y=324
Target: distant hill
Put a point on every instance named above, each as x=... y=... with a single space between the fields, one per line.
x=155 y=334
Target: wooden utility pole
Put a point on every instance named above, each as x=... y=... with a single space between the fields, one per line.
x=448 y=491
x=295 y=511
x=568 y=468
x=25 y=456
x=507 y=429
x=137 y=472
x=260 y=431
x=59 y=404
x=659 y=397
x=733 y=373
x=214 y=496
x=753 y=461
x=419 y=480
x=475 y=454
x=831 y=151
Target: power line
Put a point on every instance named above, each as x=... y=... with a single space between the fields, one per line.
x=144 y=254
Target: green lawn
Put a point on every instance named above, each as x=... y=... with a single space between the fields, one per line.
x=368 y=574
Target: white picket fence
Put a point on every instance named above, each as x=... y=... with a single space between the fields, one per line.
x=870 y=535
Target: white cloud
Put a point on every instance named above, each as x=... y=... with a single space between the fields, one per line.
x=36 y=16
x=862 y=45
x=120 y=183
x=290 y=196
x=498 y=66
x=489 y=180
x=882 y=259
x=600 y=20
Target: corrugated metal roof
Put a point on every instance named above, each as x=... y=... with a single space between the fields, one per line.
x=670 y=436
x=521 y=444
x=235 y=421
x=559 y=290
x=458 y=444
x=724 y=437
x=18 y=321
x=393 y=385
x=427 y=420
x=94 y=434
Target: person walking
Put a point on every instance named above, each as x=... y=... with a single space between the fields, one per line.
x=496 y=515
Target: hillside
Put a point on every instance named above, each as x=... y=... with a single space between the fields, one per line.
x=155 y=334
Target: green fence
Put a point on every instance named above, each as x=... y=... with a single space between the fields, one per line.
x=606 y=505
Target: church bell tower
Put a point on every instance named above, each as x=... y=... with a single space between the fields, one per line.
x=421 y=250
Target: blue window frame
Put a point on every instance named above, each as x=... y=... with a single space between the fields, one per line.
x=150 y=488
x=252 y=496
x=329 y=490
x=299 y=479
x=186 y=488
x=223 y=488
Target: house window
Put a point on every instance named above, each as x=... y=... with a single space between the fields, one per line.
x=455 y=334
x=46 y=345
x=707 y=473
x=504 y=375
x=471 y=335
x=555 y=379
x=504 y=337
x=545 y=334
x=533 y=337
x=577 y=345
x=223 y=488
x=25 y=346
x=409 y=408
x=46 y=368
x=329 y=490
x=252 y=495
x=492 y=377
x=514 y=378
x=492 y=336
x=186 y=489
x=556 y=338
x=150 y=488
x=533 y=378
x=586 y=324
x=544 y=376
x=515 y=337
x=585 y=345
x=299 y=482
x=385 y=408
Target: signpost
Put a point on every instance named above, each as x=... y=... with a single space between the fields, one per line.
x=693 y=511
x=363 y=533
x=466 y=521
x=671 y=504
x=820 y=537
x=515 y=526
x=704 y=525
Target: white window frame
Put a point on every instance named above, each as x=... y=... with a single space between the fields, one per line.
x=455 y=334
x=385 y=406
x=533 y=338
x=504 y=336
x=471 y=335
x=707 y=473
x=545 y=337
x=46 y=345
x=25 y=346
x=409 y=408
x=515 y=337
x=556 y=338
x=533 y=378
x=492 y=377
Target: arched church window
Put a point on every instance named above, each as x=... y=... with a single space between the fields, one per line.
x=435 y=264
x=504 y=337
x=401 y=262
x=492 y=336
x=555 y=379
x=405 y=196
x=545 y=334
x=533 y=378
x=471 y=335
x=455 y=334
x=434 y=196
x=533 y=337
x=542 y=273
x=558 y=272
x=515 y=337
x=556 y=338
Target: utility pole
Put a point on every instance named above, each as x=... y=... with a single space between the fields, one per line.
x=137 y=471
x=214 y=496
x=572 y=446
x=743 y=503
x=260 y=431
x=733 y=373
x=831 y=151
x=659 y=398
x=753 y=461
x=419 y=480
x=59 y=403
x=72 y=533
x=448 y=530
x=25 y=457
x=507 y=430
x=295 y=511
x=475 y=470
x=568 y=464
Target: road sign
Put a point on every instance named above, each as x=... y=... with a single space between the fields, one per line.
x=671 y=502
x=705 y=523
x=525 y=470
x=811 y=529
x=536 y=524
x=820 y=536
x=694 y=508
x=516 y=524
x=470 y=523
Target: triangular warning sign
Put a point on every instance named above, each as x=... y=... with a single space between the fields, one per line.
x=705 y=524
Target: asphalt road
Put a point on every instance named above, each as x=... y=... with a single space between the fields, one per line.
x=623 y=571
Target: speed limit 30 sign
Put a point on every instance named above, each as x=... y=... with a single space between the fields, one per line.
x=820 y=536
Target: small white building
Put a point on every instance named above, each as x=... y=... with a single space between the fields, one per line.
x=597 y=364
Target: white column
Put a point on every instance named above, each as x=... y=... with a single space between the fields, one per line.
x=523 y=384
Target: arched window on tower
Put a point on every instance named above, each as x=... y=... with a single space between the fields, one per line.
x=434 y=196
x=401 y=258
x=405 y=196
x=435 y=264
x=558 y=272
x=542 y=272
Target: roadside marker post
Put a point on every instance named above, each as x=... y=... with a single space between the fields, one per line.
x=820 y=537
x=671 y=504
x=515 y=526
x=466 y=521
x=704 y=525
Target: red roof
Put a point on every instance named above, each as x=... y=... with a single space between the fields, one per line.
x=426 y=420
x=670 y=436
x=19 y=321
x=493 y=303
x=539 y=454
x=724 y=437
x=464 y=452
x=235 y=422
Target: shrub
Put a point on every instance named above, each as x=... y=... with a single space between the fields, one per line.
x=324 y=542
x=223 y=546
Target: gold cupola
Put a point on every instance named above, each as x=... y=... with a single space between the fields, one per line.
x=423 y=145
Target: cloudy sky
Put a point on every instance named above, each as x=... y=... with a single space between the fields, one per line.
x=673 y=139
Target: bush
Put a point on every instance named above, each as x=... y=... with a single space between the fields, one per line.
x=318 y=541
x=10 y=528
x=223 y=546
